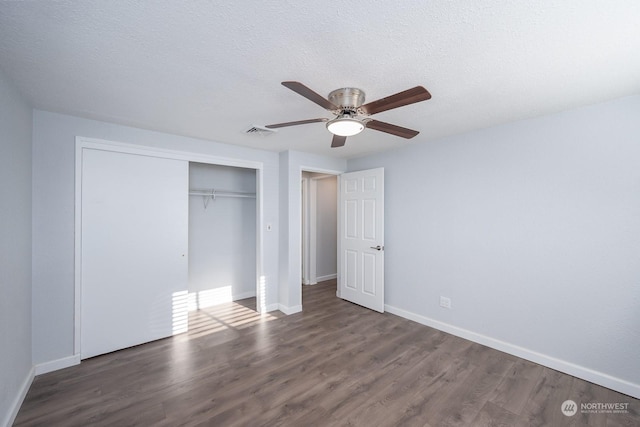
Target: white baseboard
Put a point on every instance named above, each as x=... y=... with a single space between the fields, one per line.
x=320 y=279
x=289 y=310
x=54 y=365
x=578 y=371
x=17 y=402
x=243 y=295
x=271 y=307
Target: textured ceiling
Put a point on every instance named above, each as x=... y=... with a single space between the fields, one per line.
x=211 y=69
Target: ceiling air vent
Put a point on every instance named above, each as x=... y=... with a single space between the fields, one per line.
x=259 y=130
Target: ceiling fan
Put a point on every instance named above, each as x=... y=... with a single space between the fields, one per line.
x=351 y=115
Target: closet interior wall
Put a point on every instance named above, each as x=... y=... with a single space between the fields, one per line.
x=222 y=236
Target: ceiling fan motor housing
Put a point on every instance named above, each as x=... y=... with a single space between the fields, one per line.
x=347 y=98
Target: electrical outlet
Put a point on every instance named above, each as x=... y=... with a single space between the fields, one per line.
x=445 y=302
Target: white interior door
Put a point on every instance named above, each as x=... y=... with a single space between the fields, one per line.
x=134 y=268
x=361 y=238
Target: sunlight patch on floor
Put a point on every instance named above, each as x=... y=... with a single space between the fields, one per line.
x=222 y=317
x=210 y=297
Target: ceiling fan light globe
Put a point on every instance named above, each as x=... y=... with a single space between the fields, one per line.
x=345 y=126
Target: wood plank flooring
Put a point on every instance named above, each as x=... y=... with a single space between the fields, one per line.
x=334 y=364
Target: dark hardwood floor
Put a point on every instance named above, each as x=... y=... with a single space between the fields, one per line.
x=333 y=364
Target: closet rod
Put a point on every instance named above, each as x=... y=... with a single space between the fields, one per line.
x=221 y=193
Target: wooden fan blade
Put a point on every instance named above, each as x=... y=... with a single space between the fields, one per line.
x=299 y=122
x=392 y=129
x=409 y=96
x=338 y=141
x=301 y=89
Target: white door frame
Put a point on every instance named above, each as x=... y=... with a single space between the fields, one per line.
x=309 y=226
x=83 y=143
x=326 y=173
x=306 y=260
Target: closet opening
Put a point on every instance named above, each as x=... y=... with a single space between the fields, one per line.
x=222 y=244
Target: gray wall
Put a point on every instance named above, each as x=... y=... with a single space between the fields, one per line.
x=15 y=248
x=222 y=236
x=53 y=217
x=531 y=228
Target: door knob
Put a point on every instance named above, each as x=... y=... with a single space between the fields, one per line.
x=378 y=248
